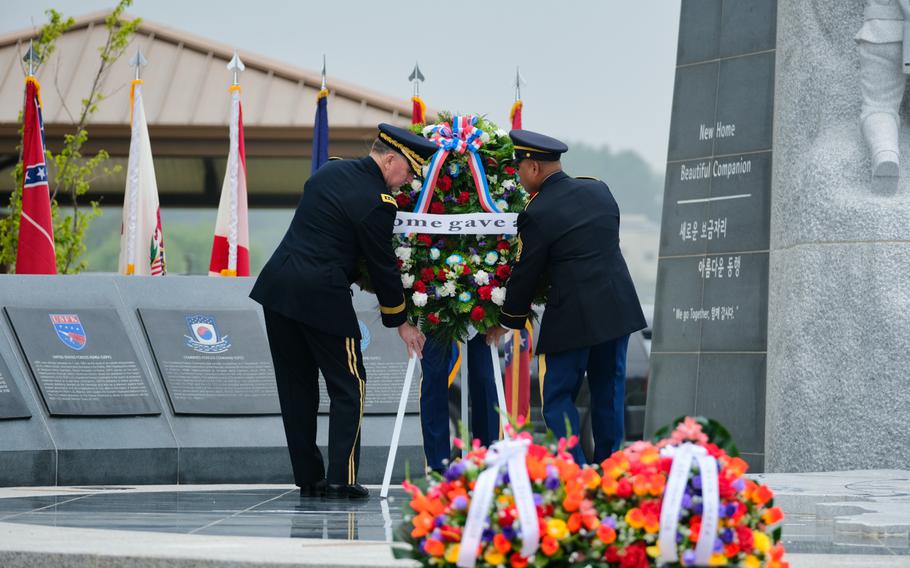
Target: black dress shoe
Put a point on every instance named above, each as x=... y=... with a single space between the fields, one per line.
x=316 y=489
x=343 y=491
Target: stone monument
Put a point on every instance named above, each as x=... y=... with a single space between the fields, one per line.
x=805 y=354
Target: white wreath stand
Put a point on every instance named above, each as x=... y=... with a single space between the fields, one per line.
x=406 y=389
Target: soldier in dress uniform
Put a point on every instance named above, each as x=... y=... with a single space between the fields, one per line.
x=568 y=239
x=345 y=214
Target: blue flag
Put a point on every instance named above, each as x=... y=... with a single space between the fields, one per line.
x=321 y=132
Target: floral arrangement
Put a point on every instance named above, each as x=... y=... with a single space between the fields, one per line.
x=604 y=515
x=456 y=282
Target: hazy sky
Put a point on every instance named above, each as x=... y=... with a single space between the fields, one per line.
x=598 y=71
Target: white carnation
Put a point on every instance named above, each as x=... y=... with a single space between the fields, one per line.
x=475 y=259
x=407 y=280
x=491 y=258
x=482 y=278
x=419 y=299
x=501 y=133
x=404 y=253
x=447 y=289
x=485 y=137
x=508 y=184
x=493 y=179
x=427 y=129
x=498 y=295
x=416 y=184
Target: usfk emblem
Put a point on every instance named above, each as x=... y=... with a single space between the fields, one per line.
x=69 y=330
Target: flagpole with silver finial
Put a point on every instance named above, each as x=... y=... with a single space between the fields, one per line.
x=236 y=66
x=138 y=61
x=519 y=81
x=416 y=77
x=31 y=57
x=323 y=72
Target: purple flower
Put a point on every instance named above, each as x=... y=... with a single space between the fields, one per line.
x=460 y=503
x=679 y=538
x=552 y=483
x=698 y=509
x=538 y=500
x=436 y=534
x=696 y=483
x=686 y=501
x=487 y=535
x=739 y=484
x=440 y=520
x=718 y=545
x=731 y=509
x=689 y=557
x=506 y=479
x=726 y=536
x=609 y=521
x=508 y=532
x=455 y=471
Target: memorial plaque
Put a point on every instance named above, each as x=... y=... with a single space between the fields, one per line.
x=694 y=103
x=746 y=27
x=745 y=104
x=386 y=361
x=83 y=362
x=12 y=405
x=739 y=211
x=677 y=317
x=213 y=362
x=701 y=21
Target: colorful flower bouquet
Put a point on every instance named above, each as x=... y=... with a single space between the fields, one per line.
x=455 y=282
x=607 y=515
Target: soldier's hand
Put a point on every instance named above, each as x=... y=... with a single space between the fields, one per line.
x=494 y=334
x=413 y=339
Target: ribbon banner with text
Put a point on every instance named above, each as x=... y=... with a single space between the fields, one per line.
x=457 y=224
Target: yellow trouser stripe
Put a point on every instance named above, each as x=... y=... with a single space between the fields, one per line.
x=355 y=370
x=516 y=366
x=542 y=372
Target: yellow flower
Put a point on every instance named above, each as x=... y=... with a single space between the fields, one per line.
x=452 y=553
x=762 y=542
x=557 y=529
x=494 y=557
x=751 y=562
x=717 y=559
x=653 y=551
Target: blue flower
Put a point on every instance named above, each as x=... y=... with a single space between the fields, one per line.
x=464 y=297
x=454 y=259
x=460 y=503
x=455 y=471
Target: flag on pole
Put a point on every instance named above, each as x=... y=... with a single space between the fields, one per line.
x=35 y=253
x=518 y=372
x=141 y=238
x=321 y=126
x=515 y=113
x=418 y=108
x=231 y=248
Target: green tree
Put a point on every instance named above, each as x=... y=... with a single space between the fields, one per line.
x=72 y=173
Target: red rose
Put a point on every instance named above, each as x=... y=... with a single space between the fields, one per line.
x=419 y=286
x=634 y=557
x=503 y=272
x=403 y=200
x=517 y=560
x=441 y=275
x=478 y=313
x=444 y=183
x=427 y=274
x=466 y=271
x=611 y=555
x=503 y=245
x=463 y=197
x=485 y=292
x=509 y=170
x=433 y=318
x=744 y=536
x=425 y=240
x=437 y=208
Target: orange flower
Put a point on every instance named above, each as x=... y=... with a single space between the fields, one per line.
x=649 y=455
x=641 y=485
x=615 y=465
x=501 y=543
x=434 y=547
x=537 y=470
x=762 y=495
x=590 y=478
x=772 y=516
x=652 y=523
x=737 y=467
x=549 y=545
x=423 y=524
x=574 y=522
x=609 y=485
x=777 y=552
x=606 y=534
x=635 y=518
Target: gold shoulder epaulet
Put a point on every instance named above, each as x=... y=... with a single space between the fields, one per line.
x=386 y=198
x=533 y=197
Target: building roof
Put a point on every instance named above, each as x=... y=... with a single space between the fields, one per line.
x=185 y=84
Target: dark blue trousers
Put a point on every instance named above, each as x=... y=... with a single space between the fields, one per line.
x=561 y=376
x=434 y=397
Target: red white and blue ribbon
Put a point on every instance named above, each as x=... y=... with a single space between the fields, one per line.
x=462 y=136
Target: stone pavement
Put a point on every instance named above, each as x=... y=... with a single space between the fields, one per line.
x=834 y=520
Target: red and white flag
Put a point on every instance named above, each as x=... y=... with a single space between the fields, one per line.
x=35 y=253
x=141 y=238
x=231 y=247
